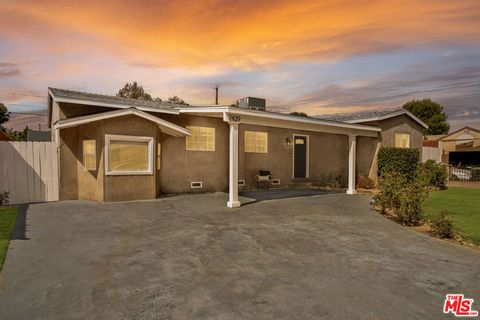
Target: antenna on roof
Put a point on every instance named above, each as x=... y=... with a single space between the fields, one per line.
x=215 y=87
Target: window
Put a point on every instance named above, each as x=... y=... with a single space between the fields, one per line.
x=201 y=139
x=89 y=155
x=256 y=141
x=402 y=140
x=128 y=155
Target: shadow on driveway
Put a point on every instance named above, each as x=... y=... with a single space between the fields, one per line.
x=272 y=194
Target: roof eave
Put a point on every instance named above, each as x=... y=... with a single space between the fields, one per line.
x=111 y=105
x=388 y=116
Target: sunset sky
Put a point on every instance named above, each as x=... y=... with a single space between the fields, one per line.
x=320 y=57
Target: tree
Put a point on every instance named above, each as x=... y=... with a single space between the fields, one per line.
x=4 y=116
x=431 y=113
x=17 y=135
x=177 y=100
x=299 y=114
x=134 y=91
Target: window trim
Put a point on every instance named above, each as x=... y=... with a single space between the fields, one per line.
x=245 y=141
x=189 y=127
x=127 y=138
x=84 y=163
x=403 y=133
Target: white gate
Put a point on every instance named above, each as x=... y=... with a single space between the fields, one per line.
x=29 y=171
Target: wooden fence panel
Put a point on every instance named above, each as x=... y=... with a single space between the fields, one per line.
x=29 y=171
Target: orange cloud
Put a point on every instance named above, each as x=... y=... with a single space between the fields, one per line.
x=249 y=34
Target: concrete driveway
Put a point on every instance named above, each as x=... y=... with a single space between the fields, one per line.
x=189 y=257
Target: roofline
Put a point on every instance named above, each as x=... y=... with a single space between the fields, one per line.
x=173 y=129
x=277 y=116
x=110 y=105
x=390 y=115
x=457 y=131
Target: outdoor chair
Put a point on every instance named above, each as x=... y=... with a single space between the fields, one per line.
x=264 y=177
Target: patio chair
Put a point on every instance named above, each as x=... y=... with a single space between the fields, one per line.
x=265 y=177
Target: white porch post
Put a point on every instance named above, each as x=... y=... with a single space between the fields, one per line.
x=233 y=168
x=352 y=150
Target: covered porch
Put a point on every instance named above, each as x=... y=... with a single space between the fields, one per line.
x=341 y=137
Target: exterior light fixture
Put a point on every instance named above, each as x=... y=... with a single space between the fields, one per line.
x=288 y=142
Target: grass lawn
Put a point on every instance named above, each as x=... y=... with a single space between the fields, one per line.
x=463 y=206
x=7 y=221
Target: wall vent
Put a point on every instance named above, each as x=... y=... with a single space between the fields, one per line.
x=241 y=183
x=196 y=184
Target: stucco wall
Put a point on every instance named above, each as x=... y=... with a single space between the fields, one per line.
x=180 y=167
x=328 y=155
x=78 y=183
x=400 y=124
x=366 y=165
x=68 y=166
x=90 y=183
x=131 y=187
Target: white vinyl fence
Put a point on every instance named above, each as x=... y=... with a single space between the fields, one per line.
x=29 y=171
x=432 y=153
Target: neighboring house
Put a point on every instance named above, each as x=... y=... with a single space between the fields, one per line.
x=461 y=147
x=34 y=135
x=113 y=149
x=3 y=136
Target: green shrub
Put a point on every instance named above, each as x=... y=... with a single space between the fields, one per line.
x=401 y=160
x=435 y=173
x=413 y=197
x=442 y=225
x=4 y=198
x=389 y=184
x=402 y=197
x=365 y=182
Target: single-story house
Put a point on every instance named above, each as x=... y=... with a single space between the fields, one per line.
x=460 y=147
x=114 y=149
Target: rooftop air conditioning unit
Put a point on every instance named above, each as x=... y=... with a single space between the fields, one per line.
x=252 y=103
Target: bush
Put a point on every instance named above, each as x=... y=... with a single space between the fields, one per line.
x=435 y=173
x=442 y=226
x=4 y=198
x=403 y=161
x=403 y=198
x=413 y=197
x=389 y=184
x=365 y=182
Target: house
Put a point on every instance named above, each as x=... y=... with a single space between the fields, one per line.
x=38 y=135
x=3 y=136
x=461 y=147
x=113 y=149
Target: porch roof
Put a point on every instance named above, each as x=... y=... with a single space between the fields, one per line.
x=166 y=127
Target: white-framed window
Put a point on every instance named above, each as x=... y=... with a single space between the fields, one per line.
x=128 y=155
x=402 y=140
x=256 y=141
x=89 y=155
x=201 y=139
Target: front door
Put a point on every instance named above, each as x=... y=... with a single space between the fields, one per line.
x=300 y=157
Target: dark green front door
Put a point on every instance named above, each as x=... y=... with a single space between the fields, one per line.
x=300 y=154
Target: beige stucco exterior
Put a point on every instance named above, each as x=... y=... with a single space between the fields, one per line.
x=175 y=168
x=399 y=124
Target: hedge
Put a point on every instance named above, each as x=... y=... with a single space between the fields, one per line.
x=401 y=160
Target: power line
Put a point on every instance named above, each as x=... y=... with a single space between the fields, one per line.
x=29 y=113
x=25 y=105
x=25 y=95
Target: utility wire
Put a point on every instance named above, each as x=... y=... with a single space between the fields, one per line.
x=29 y=113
